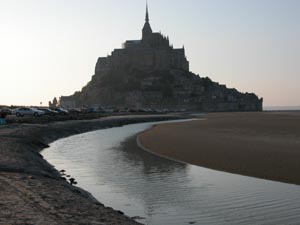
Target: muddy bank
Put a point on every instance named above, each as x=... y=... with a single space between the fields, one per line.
x=32 y=191
x=264 y=145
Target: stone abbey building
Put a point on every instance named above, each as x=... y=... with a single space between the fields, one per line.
x=152 y=52
x=150 y=73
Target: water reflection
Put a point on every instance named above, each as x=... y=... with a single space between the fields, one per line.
x=132 y=154
x=110 y=165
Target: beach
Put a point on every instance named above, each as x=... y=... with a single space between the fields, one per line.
x=258 y=144
x=33 y=192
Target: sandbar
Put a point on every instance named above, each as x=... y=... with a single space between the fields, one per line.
x=258 y=144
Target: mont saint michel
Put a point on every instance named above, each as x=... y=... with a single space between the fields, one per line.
x=144 y=134
x=151 y=73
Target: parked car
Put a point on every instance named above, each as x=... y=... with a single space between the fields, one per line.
x=102 y=109
x=28 y=112
x=49 y=112
x=74 y=111
x=84 y=110
x=61 y=111
x=6 y=110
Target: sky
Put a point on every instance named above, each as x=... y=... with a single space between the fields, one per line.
x=50 y=47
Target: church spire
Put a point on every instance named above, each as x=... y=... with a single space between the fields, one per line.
x=147 y=31
x=147 y=14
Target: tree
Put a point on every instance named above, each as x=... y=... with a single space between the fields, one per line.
x=54 y=102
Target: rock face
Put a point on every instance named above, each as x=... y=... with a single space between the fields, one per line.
x=150 y=73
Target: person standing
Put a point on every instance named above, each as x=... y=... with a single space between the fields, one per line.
x=2 y=118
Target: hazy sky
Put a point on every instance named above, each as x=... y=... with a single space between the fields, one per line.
x=50 y=47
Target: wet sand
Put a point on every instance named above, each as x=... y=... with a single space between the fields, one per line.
x=33 y=192
x=259 y=144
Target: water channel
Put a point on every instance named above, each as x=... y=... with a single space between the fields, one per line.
x=108 y=164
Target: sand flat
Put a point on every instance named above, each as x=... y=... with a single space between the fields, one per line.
x=258 y=144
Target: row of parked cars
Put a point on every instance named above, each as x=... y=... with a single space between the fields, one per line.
x=28 y=111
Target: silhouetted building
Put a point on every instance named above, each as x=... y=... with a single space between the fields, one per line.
x=150 y=73
x=153 y=51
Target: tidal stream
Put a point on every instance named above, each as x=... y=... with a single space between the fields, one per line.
x=108 y=164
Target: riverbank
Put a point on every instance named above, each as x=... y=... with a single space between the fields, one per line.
x=33 y=192
x=263 y=144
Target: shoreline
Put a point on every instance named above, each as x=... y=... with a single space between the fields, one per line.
x=264 y=145
x=32 y=190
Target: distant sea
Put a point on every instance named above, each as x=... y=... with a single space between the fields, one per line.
x=282 y=108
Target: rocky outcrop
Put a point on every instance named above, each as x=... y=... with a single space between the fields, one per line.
x=160 y=89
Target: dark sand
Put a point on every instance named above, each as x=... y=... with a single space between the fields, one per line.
x=32 y=191
x=264 y=145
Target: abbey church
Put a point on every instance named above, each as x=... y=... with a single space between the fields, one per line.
x=150 y=73
x=152 y=52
